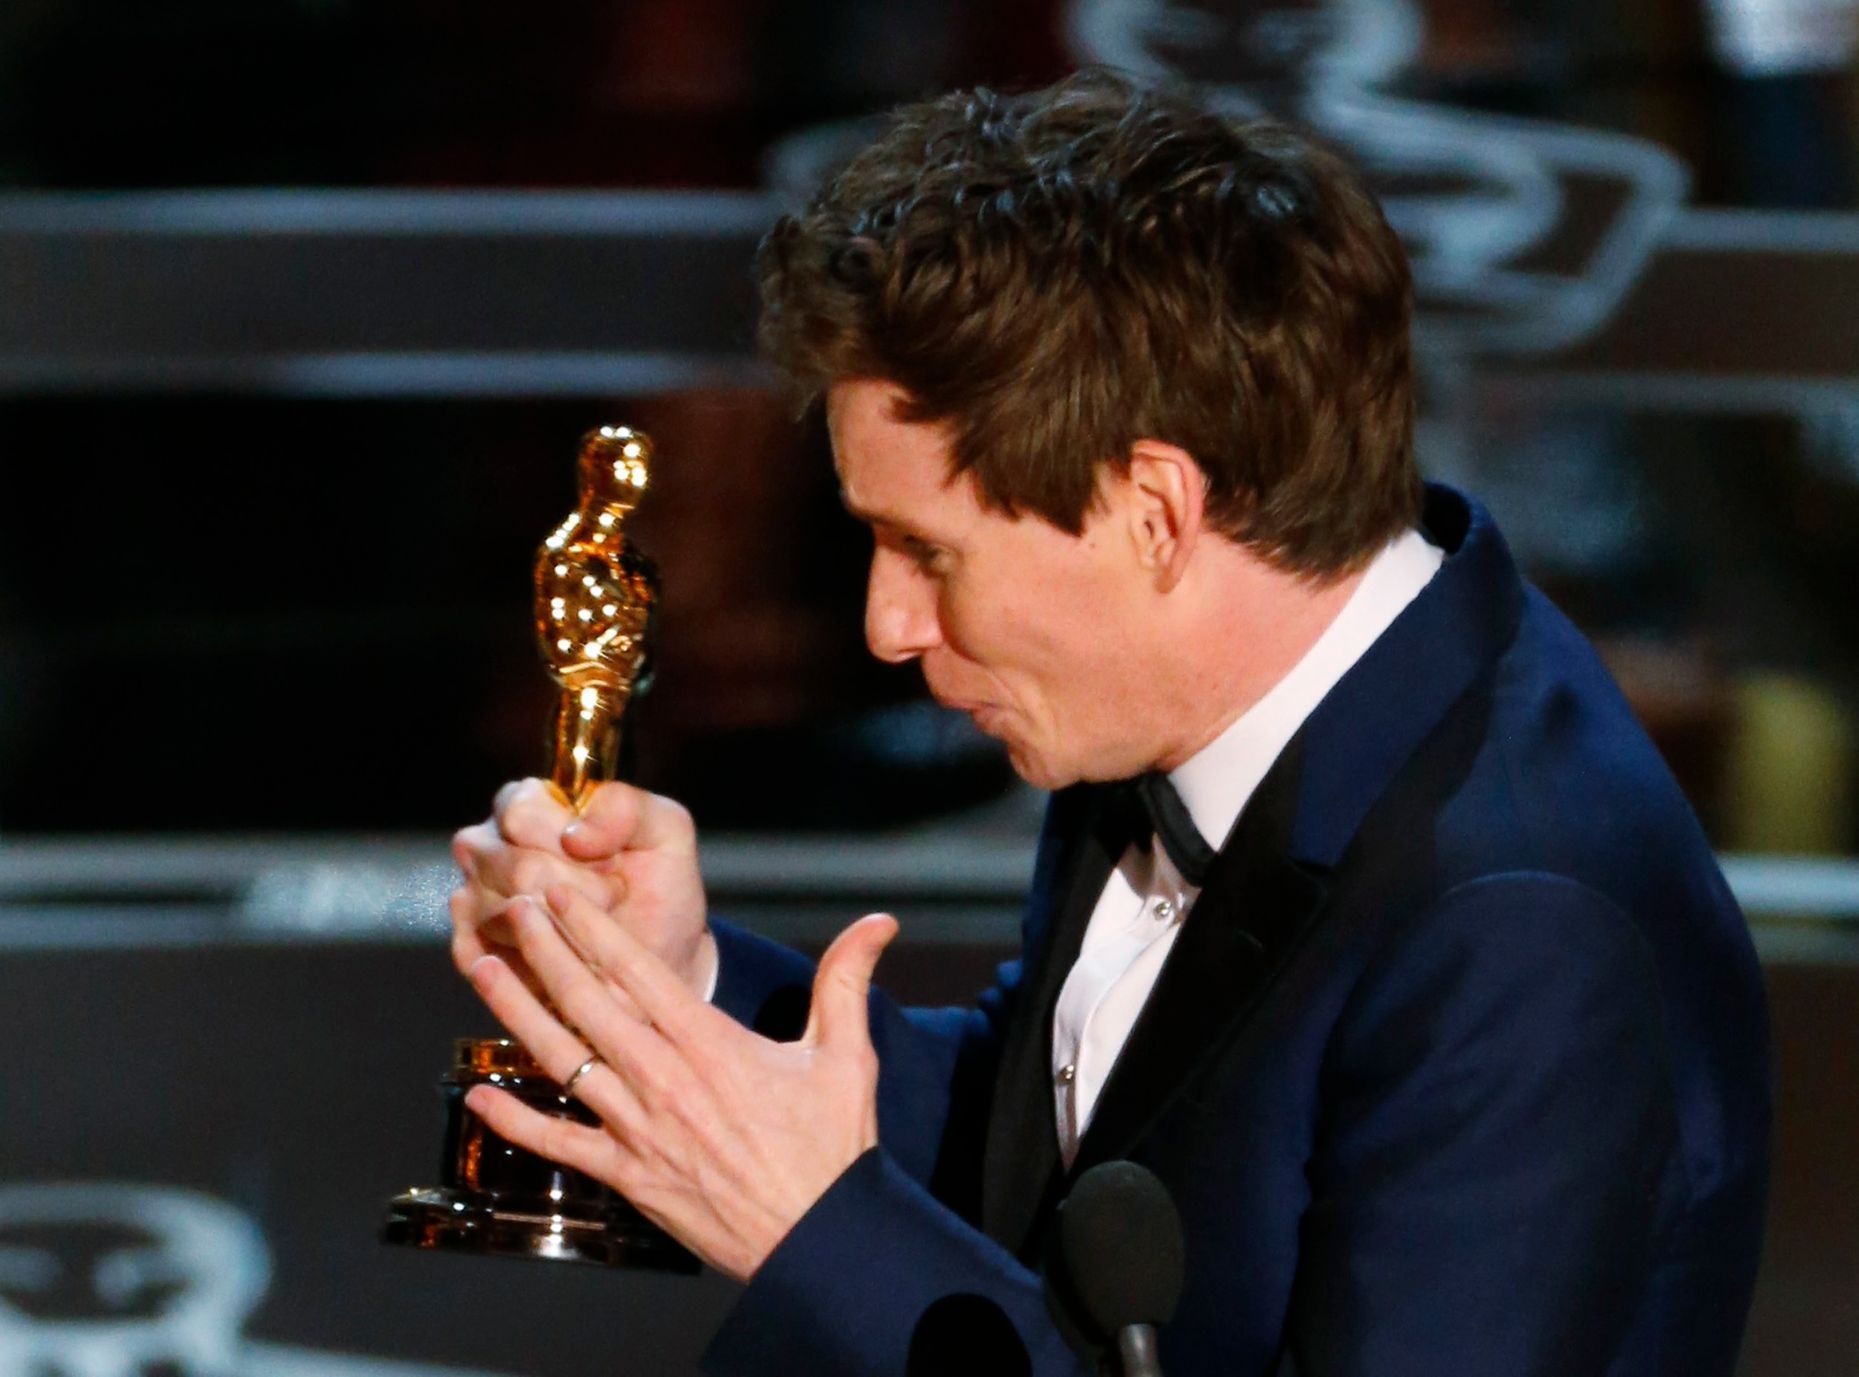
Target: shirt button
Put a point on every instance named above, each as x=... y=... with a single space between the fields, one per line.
x=1164 y=909
x=1068 y=1073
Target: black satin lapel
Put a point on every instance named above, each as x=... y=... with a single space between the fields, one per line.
x=1022 y=1154
x=1256 y=903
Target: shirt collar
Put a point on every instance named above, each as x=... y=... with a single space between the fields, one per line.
x=1216 y=782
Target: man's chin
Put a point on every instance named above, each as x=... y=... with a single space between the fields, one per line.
x=1040 y=771
x=1036 y=771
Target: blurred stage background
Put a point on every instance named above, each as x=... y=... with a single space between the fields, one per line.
x=303 y=305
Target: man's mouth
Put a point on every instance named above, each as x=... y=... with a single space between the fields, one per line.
x=955 y=704
x=982 y=715
x=979 y=711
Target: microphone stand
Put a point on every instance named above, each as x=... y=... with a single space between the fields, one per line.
x=1136 y=1351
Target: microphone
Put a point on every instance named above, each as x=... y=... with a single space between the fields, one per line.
x=1116 y=1268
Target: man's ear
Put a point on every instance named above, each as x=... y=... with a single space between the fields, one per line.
x=1168 y=497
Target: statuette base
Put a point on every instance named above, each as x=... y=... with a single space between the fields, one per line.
x=497 y=1199
x=455 y=1221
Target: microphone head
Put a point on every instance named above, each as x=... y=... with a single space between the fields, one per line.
x=1119 y=1246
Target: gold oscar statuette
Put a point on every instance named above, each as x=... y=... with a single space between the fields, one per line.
x=595 y=597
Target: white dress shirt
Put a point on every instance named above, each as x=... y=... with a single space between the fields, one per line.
x=1140 y=912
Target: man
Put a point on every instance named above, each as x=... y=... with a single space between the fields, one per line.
x=1364 y=914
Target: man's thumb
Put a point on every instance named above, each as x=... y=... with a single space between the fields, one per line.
x=843 y=981
x=611 y=819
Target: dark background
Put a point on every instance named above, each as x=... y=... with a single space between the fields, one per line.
x=229 y=588
x=303 y=307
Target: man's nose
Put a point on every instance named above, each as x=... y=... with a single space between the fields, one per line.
x=900 y=609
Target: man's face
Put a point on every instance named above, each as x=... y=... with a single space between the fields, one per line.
x=1034 y=633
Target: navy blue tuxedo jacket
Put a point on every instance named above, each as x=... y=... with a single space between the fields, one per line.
x=1459 y=1065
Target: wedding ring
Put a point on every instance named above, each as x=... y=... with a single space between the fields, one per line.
x=574 y=1080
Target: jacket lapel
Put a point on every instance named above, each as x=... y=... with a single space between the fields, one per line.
x=1266 y=888
x=1255 y=905
x=1269 y=880
x=1022 y=1153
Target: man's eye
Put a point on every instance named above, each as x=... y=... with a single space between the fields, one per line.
x=925 y=556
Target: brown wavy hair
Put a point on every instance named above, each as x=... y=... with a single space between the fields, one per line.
x=1055 y=275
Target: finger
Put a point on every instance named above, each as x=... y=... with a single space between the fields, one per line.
x=531 y=872
x=471 y=844
x=581 y=1146
x=481 y=926
x=620 y=817
x=606 y=1088
x=529 y=813
x=472 y=940
x=467 y=940
x=842 y=984
x=632 y=1045
x=478 y=926
x=491 y=862
x=660 y=993
x=477 y=922
x=555 y=1048
x=613 y=1099
x=465 y=849
x=501 y=871
x=603 y=1156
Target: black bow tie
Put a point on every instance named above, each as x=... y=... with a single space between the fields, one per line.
x=1156 y=810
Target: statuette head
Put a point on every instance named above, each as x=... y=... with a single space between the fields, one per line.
x=614 y=468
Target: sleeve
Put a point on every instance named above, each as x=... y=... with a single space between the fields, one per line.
x=885 y=1276
x=1495 y=1156
x=880 y=1279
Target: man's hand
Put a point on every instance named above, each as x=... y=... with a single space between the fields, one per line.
x=631 y=854
x=719 y=1135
